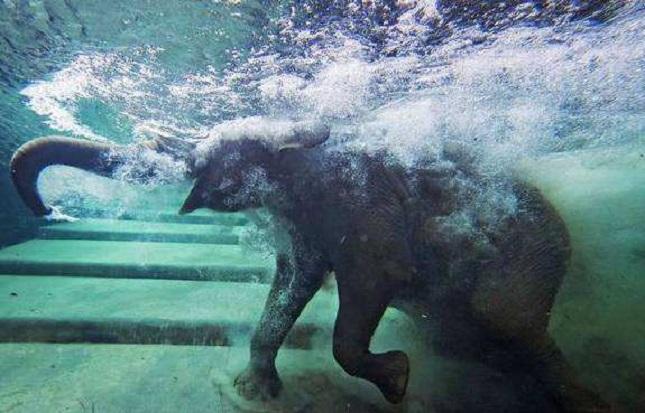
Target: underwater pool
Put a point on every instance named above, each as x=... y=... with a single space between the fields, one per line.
x=447 y=110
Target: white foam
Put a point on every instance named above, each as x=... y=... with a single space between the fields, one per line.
x=57 y=216
x=274 y=132
x=505 y=95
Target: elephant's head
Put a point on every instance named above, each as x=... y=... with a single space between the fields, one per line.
x=236 y=171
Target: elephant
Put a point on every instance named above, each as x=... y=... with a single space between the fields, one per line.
x=379 y=227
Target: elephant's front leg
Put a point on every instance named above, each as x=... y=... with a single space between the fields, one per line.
x=293 y=286
x=363 y=301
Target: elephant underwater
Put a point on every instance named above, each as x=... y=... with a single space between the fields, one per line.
x=380 y=227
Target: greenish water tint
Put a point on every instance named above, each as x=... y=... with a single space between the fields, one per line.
x=553 y=93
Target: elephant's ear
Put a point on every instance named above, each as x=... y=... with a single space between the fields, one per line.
x=196 y=198
x=305 y=135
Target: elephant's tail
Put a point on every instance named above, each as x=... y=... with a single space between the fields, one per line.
x=34 y=156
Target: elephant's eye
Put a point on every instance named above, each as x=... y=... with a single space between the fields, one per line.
x=225 y=184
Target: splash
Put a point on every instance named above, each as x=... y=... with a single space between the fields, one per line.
x=551 y=87
x=508 y=81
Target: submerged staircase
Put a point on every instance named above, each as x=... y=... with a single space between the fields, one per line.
x=171 y=280
x=177 y=293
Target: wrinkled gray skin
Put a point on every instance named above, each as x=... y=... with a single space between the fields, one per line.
x=374 y=225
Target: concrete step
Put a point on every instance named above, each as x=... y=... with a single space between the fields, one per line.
x=200 y=217
x=74 y=309
x=114 y=259
x=169 y=379
x=124 y=230
x=203 y=217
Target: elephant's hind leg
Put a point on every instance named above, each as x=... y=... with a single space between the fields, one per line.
x=361 y=309
x=513 y=306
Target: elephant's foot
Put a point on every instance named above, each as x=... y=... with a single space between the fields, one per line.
x=391 y=375
x=258 y=384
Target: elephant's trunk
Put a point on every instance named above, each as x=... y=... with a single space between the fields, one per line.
x=34 y=156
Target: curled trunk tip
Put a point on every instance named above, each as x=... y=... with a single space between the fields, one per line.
x=34 y=156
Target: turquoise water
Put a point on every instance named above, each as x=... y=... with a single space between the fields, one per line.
x=552 y=92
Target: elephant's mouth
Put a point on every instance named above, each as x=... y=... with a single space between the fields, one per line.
x=193 y=201
x=185 y=209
